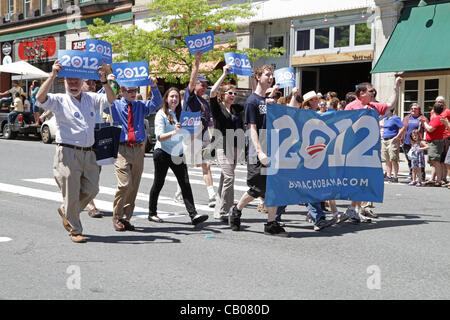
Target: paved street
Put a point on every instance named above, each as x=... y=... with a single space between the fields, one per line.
x=404 y=254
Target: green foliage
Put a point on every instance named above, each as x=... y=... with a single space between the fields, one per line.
x=165 y=48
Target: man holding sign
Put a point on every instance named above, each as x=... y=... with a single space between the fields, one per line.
x=75 y=169
x=129 y=165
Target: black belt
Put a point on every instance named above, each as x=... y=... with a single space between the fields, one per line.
x=76 y=147
x=388 y=138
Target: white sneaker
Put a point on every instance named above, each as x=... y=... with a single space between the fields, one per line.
x=353 y=216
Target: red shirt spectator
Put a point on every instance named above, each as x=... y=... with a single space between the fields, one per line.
x=438 y=133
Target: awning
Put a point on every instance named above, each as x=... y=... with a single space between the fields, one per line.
x=420 y=41
x=23 y=68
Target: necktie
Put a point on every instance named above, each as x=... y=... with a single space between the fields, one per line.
x=131 y=136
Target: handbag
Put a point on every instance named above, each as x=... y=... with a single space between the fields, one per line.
x=412 y=154
x=107 y=139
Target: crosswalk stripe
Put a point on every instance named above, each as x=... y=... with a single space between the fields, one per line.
x=57 y=197
x=140 y=196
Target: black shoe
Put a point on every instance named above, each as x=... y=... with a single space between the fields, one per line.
x=199 y=218
x=128 y=226
x=234 y=219
x=273 y=228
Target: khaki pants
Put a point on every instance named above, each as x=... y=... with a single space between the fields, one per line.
x=77 y=174
x=225 y=192
x=128 y=168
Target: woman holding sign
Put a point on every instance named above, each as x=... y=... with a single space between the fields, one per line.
x=169 y=154
x=227 y=120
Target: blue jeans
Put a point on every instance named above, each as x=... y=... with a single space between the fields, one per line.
x=12 y=117
x=314 y=210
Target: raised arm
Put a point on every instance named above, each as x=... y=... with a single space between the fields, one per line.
x=155 y=102
x=41 y=96
x=393 y=99
x=195 y=69
x=219 y=81
x=293 y=102
x=104 y=79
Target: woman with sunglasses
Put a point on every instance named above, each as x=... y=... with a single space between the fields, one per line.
x=169 y=154
x=412 y=122
x=227 y=124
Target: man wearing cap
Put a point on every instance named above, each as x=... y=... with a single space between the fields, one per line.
x=364 y=99
x=194 y=102
x=130 y=113
x=75 y=169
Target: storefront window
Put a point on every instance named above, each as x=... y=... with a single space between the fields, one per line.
x=363 y=34
x=322 y=38
x=341 y=36
x=303 y=38
x=411 y=95
x=11 y=6
x=430 y=94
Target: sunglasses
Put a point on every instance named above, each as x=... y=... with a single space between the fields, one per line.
x=131 y=90
x=323 y=104
x=372 y=91
x=232 y=93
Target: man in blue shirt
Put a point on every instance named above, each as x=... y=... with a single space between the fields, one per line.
x=130 y=113
x=194 y=102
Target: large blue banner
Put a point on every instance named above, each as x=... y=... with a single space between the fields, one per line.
x=79 y=64
x=200 y=42
x=131 y=74
x=102 y=47
x=317 y=157
x=240 y=64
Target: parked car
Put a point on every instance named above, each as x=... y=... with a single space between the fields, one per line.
x=23 y=125
x=48 y=129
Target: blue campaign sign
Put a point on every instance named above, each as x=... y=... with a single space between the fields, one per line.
x=285 y=77
x=131 y=74
x=200 y=42
x=79 y=64
x=315 y=158
x=239 y=63
x=190 y=121
x=102 y=47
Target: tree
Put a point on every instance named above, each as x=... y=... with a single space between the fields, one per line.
x=165 y=48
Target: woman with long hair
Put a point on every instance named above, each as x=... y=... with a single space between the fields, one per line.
x=168 y=153
x=227 y=121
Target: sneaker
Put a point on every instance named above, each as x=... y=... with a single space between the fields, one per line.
x=199 y=218
x=366 y=212
x=323 y=223
x=234 y=219
x=394 y=180
x=386 y=178
x=273 y=228
x=340 y=217
x=353 y=216
x=412 y=183
x=364 y=219
x=212 y=202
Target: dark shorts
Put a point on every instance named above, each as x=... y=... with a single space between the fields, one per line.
x=435 y=151
x=255 y=180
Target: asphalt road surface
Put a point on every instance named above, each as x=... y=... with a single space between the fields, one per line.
x=404 y=254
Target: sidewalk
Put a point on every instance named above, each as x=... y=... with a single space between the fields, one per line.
x=403 y=166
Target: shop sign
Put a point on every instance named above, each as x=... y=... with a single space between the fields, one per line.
x=79 y=45
x=36 y=49
x=6 y=48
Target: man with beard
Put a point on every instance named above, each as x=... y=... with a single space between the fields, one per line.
x=75 y=169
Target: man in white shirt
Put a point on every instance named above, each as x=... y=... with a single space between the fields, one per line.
x=75 y=169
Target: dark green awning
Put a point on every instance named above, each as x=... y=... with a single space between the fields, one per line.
x=59 y=27
x=420 y=41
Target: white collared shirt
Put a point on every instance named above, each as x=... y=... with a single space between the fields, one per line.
x=75 y=120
